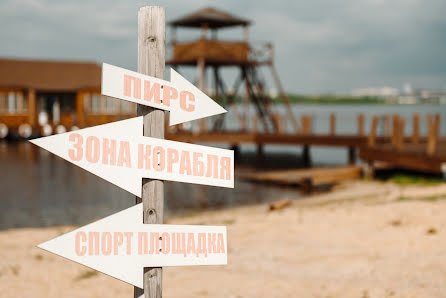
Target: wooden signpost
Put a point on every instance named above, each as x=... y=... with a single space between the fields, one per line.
x=133 y=245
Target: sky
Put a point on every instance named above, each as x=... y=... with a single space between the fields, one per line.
x=321 y=46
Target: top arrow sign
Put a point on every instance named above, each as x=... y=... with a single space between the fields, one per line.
x=184 y=101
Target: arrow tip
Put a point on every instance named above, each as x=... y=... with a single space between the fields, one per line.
x=204 y=105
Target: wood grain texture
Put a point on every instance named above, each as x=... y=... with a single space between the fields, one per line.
x=151 y=61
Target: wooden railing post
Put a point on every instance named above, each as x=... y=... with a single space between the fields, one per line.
x=361 y=124
x=416 y=128
x=387 y=125
x=332 y=124
x=151 y=61
x=400 y=135
x=372 y=134
x=310 y=124
x=433 y=130
x=395 y=124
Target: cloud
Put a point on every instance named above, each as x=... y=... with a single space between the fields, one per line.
x=321 y=45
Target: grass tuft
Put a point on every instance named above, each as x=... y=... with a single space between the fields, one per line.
x=406 y=179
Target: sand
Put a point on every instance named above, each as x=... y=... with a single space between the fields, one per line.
x=364 y=239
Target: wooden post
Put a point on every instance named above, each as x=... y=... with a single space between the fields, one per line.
x=32 y=107
x=306 y=124
x=395 y=118
x=369 y=169
x=332 y=124
x=361 y=124
x=433 y=130
x=400 y=136
x=202 y=76
x=151 y=61
x=372 y=135
x=416 y=128
x=387 y=125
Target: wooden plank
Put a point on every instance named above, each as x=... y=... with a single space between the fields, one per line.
x=151 y=61
x=318 y=176
x=280 y=204
x=234 y=137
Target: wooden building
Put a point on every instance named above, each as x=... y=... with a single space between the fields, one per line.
x=46 y=97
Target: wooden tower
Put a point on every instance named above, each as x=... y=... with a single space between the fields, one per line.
x=209 y=53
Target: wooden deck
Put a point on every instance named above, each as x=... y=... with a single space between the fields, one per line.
x=304 y=177
x=412 y=156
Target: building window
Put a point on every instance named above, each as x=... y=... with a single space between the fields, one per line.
x=103 y=105
x=127 y=107
x=13 y=102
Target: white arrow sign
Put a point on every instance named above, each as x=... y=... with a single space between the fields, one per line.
x=118 y=153
x=120 y=245
x=184 y=101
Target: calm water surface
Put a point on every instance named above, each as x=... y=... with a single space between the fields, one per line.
x=40 y=189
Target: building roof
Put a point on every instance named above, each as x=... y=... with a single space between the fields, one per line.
x=212 y=17
x=49 y=75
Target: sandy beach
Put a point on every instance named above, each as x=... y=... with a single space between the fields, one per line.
x=363 y=239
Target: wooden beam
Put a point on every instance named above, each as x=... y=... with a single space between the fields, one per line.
x=372 y=134
x=151 y=61
x=284 y=97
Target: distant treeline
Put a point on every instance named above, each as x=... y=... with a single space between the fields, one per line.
x=331 y=99
x=318 y=99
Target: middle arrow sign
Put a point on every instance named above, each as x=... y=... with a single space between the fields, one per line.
x=184 y=101
x=120 y=154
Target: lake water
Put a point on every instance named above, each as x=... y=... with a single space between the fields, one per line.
x=40 y=189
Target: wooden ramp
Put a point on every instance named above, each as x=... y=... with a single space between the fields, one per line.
x=305 y=177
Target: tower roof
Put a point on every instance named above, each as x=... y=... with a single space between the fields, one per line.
x=213 y=18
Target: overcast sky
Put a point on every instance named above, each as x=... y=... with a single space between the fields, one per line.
x=321 y=45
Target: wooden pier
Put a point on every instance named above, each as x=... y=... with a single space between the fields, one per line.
x=413 y=152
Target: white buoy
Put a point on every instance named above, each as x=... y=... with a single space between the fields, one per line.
x=60 y=129
x=3 y=130
x=46 y=130
x=74 y=127
x=25 y=130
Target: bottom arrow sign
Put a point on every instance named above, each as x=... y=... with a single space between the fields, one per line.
x=121 y=246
